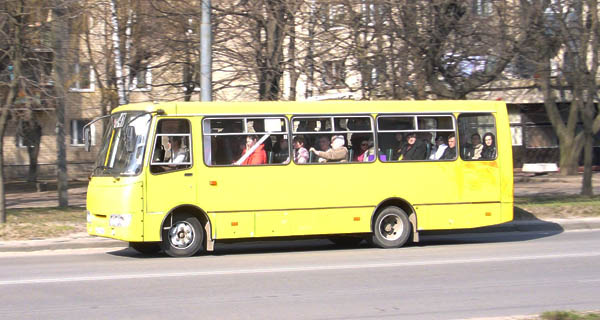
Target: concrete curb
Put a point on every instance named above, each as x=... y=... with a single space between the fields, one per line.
x=83 y=241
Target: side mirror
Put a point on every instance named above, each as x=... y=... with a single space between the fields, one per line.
x=87 y=138
x=130 y=139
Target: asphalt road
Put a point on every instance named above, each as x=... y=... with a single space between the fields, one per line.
x=443 y=277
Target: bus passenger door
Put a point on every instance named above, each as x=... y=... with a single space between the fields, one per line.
x=170 y=181
x=479 y=181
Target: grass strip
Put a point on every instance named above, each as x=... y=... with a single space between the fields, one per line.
x=569 y=315
x=41 y=223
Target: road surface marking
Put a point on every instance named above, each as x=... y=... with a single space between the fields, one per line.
x=290 y=269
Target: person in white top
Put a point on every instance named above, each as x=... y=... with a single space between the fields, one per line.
x=178 y=154
x=438 y=150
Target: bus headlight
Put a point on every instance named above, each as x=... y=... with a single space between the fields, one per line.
x=119 y=220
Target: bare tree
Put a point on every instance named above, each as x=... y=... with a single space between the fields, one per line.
x=565 y=35
x=23 y=68
x=264 y=26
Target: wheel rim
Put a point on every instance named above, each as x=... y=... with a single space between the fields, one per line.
x=390 y=227
x=181 y=235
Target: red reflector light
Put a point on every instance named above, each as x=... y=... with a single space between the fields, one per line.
x=356 y=218
x=212 y=183
x=488 y=214
x=234 y=224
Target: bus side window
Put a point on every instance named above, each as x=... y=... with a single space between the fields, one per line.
x=477 y=136
x=245 y=141
x=172 y=150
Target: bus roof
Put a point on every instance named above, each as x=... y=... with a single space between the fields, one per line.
x=314 y=107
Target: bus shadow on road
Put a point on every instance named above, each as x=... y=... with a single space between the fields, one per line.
x=256 y=247
x=524 y=227
x=428 y=239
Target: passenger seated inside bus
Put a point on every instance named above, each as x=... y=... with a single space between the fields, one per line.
x=301 y=155
x=489 y=147
x=253 y=155
x=281 y=153
x=450 y=151
x=338 y=152
x=438 y=149
x=321 y=145
x=474 y=149
x=414 y=149
x=366 y=152
x=259 y=127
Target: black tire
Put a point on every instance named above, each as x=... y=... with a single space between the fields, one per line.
x=145 y=247
x=391 y=228
x=184 y=238
x=346 y=241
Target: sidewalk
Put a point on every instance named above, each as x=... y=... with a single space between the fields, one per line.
x=525 y=185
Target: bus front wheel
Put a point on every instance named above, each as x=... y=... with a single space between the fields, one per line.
x=185 y=236
x=391 y=228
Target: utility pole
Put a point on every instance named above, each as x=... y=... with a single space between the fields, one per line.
x=206 y=53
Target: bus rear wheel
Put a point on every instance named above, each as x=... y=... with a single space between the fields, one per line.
x=184 y=238
x=391 y=228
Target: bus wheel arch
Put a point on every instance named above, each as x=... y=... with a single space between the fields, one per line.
x=199 y=214
x=405 y=206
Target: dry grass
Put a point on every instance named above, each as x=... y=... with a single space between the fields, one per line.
x=40 y=223
x=569 y=315
x=562 y=207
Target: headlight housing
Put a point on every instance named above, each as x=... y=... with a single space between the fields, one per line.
x=119 y=220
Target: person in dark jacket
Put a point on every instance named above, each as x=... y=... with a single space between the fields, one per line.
x=413 y=149
x=489 y=147
x=450 y=152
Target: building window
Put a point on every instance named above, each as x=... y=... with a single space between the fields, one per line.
x=541 y=136
x=334 y=73
x=482 y=7
x=82 y=77
x=20 y=141
x=332 y=15
x=373 y=72
x=516 y=126
x=141 y=79
x=77 y=132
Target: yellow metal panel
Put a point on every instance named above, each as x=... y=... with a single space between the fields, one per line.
x=234 y=225
x=507 y=212
x=106 y=196
x=313 y=222
x=457 y=216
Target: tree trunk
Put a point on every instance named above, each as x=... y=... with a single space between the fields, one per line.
x=61 y=40
x=586 y=189
x=570 y=150
x=33 y=150
x=121 y=89
x=3 y=117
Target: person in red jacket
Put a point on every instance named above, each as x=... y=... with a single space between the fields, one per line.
x=259 y=156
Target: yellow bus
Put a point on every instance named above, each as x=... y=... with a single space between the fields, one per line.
x=180 y=176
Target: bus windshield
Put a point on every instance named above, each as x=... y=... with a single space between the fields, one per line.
x=114 y=158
